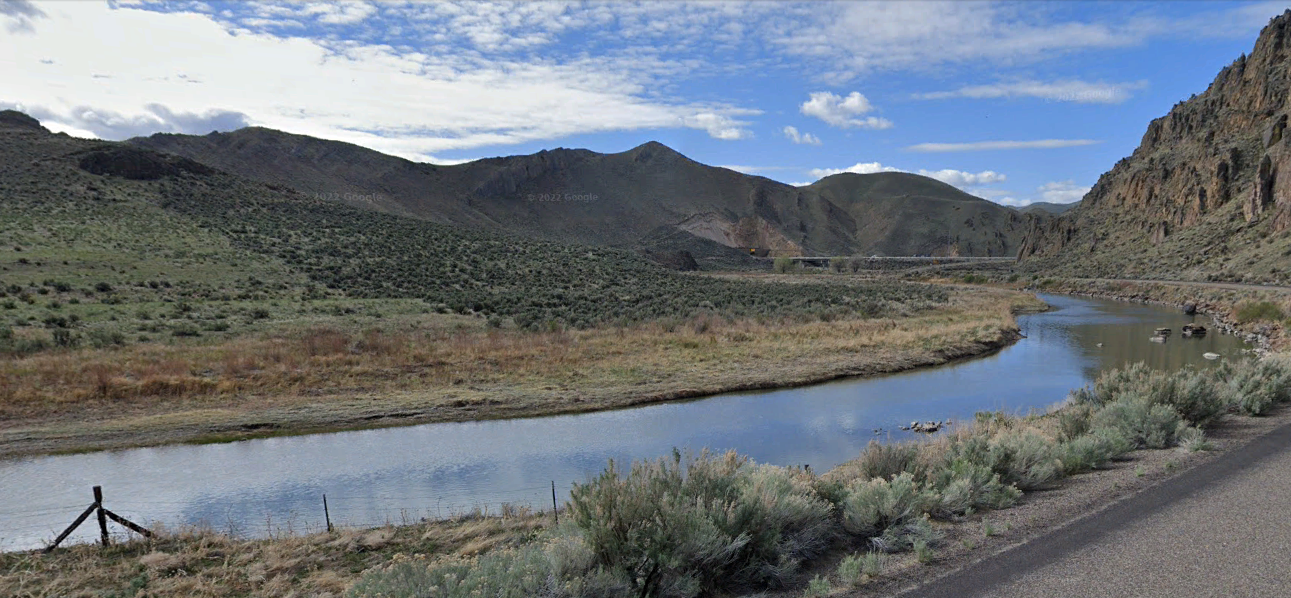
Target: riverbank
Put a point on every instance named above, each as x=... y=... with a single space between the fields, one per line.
x=328 y=380
x=394 y=558
x=1257 y=314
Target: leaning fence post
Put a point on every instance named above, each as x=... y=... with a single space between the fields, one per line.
x=554 y=512
x=327 y=516
x=103 y=519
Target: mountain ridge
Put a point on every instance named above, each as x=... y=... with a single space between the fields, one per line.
x=629 y=198
x=1205 y=195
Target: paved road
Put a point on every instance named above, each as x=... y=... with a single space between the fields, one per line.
x=1223 y=529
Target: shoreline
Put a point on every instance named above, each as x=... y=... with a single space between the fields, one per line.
x=482 y=403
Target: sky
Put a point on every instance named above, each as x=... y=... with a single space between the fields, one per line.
x=1013 y=102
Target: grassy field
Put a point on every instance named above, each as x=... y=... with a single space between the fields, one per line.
x=727 y=527
x=390 y=363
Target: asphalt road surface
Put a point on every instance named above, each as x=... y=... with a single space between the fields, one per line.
x=1222 y=529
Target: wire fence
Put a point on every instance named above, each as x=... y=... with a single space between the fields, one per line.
x=301 y=513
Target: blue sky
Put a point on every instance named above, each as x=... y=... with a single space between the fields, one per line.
x=1015 y=102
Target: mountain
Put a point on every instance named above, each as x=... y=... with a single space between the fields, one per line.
x=1205 y=196
x=900 y=213
x=650 y=197
x=119 y=229
x=1044 y=207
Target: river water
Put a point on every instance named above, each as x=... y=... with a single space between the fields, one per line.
x=395 y=475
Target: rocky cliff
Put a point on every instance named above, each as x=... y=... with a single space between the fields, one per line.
x=1207 y=194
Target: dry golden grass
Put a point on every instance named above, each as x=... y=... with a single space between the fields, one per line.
x=322 y=378
x=205 y=564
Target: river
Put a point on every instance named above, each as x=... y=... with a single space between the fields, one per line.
x=395 y=475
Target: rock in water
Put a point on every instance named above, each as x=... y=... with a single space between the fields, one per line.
x=1211 y=356
x=1190 y=308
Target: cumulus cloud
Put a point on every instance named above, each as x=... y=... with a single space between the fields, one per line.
x=845 y=112
x=18 y=15
x=1062 y=191
x=718 y=126
x=999 y=145
x=957 y=178
x=408 y=102
x=800 y=138
x=85 y=121
x=1082 y=92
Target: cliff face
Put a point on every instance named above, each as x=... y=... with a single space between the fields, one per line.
x=1208 y=180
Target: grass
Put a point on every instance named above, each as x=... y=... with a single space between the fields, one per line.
x=316 y=370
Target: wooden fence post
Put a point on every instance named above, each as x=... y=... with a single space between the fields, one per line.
x=554 y=512
x=103 y=519
x=327 y=515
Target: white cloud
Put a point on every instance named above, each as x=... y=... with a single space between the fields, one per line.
x=843 y=112
x=849 y=39
x=957 y=178
x=796 y=137
x=858 y=168
x=961 y=179
x=719 y=126
x=1057 y=91
x=1062 y=192
x=410 y=103
x=752 y=169
x=999 y=145
x=17 y=15
x=1012 y=201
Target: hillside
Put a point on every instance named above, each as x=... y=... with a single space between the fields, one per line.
x=1202 y=197
x=899 y=213
x=649 y=197
x=91 y=224
x=1044 y=207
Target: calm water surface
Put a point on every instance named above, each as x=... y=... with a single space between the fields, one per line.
x=396 y=474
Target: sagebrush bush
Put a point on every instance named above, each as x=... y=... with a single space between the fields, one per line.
x=1194 y=395
x=1143 y=423
x=1093 y=450
x=1252 y=387
x=702 y=524
x=885 y=461
x=962 y=485
x=875 y=505
x=1252 y=311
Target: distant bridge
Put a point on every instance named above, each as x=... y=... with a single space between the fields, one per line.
x=910 y=261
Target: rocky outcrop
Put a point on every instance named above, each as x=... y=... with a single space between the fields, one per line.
x=138 y=164
x=1227 y=143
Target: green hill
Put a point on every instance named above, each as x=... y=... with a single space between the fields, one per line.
x=103 y=235
x=906 y=214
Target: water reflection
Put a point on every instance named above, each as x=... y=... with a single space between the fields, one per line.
x=398 y=474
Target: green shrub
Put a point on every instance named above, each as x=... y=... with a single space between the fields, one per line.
x=1193 y=394
x=855 y=567
x=1252 y=311
x=784 y=265
x=1252 y=387
x=963 y=486
x=1093 y=450
x=706 y=523
x=817 y=587
x=885 y=461
x=1193 y=440
x=559 y=568
x=1026 y=460
x=874 y=506
x=101 y=339
x=1142 y=423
